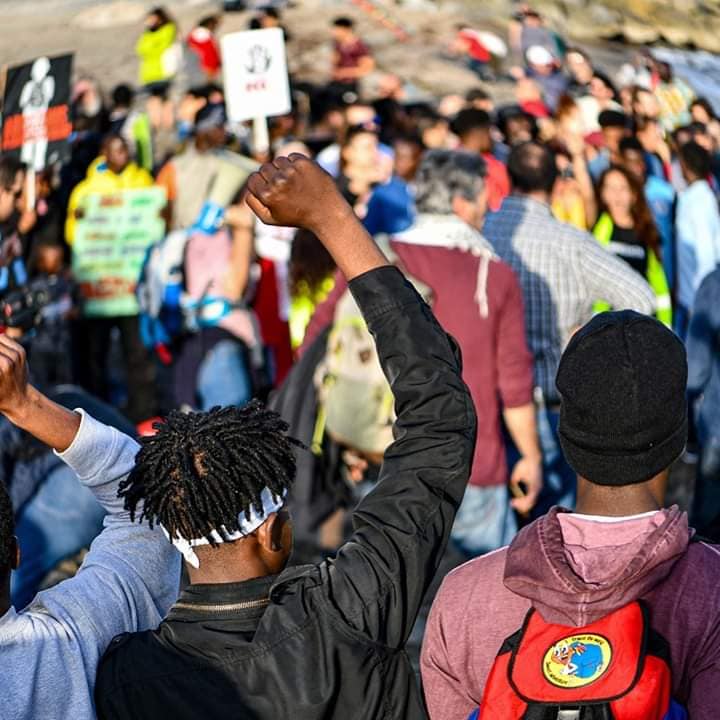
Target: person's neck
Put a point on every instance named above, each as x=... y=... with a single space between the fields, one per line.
x=537 y=195
x=621 y=501
x=220 y=573
x=471 y=144
x=202 y=145
x=623 y=219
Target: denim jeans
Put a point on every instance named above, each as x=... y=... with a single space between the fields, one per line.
x=559 y=479
x=62 y=518
x=223 y=378
x=706 y=503
x=485 y=521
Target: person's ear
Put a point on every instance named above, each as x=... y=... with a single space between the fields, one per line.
x=15 y=554
x=269 y=534
x=462 y=208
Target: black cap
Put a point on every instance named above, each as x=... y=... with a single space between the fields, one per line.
x=622 y=380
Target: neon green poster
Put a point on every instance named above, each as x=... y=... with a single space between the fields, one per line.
x=112 y=236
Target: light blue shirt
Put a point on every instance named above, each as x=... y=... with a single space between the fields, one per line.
x=660 y=198
x=698 y=239
x=49 y=652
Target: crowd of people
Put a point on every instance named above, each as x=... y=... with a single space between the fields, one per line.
x=406 y=334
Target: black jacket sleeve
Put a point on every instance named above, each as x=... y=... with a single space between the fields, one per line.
x=378 y=578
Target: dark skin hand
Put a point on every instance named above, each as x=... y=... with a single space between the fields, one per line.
x=296 y=192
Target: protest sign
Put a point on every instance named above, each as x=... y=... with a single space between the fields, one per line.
x=36 y=122
x=255 y=72
x=112 y=236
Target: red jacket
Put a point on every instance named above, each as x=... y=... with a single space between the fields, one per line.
x=203 y=43
x=497 y=181
x=497 y=366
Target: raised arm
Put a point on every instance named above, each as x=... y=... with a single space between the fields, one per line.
x=377 y=580
x=131 y=574
x=29 y=409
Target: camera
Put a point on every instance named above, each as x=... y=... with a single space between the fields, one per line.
x=23 y=307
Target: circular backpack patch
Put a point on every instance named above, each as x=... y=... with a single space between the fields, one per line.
x=577 y=660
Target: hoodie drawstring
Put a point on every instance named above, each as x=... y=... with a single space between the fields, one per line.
x=481 y=297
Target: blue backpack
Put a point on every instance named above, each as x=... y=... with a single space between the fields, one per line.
x=160 y=292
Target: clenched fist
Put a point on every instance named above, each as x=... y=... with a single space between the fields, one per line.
x=294 y=191
x=13 y=376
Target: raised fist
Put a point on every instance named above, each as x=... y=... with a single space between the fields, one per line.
x=294 y=191
x=13 y=375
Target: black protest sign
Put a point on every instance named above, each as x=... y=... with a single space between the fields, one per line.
x=36 y=121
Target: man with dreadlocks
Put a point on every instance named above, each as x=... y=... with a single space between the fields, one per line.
x=250 y=638
x=49 y=651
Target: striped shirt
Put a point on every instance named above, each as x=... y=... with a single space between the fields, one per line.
x=562 y=272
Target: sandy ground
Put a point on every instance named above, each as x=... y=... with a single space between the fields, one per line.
x=103 y=35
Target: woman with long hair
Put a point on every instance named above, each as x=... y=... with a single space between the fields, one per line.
x=625 y=226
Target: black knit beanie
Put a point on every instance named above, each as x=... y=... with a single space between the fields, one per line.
x=622 y=380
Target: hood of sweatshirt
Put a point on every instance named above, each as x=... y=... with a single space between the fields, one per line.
x=575 y=570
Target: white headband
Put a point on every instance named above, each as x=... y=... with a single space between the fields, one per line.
x=270 y=504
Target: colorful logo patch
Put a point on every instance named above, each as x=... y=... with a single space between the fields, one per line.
x=577 y=660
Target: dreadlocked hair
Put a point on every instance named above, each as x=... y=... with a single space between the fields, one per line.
x=201 y=470
x=7 y=531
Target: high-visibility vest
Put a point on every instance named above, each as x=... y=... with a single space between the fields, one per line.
x=655 y=275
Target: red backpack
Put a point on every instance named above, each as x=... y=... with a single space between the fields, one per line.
x=617 y=668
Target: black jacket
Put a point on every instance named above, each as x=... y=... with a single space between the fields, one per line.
x=325 y=641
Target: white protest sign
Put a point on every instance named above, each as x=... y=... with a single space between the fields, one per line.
x=255 y=73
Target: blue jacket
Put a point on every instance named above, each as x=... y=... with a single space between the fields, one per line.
x=703 y=349
x=660 y=196
x=391 y=208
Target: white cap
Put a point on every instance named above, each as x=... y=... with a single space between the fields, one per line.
x=539 y=55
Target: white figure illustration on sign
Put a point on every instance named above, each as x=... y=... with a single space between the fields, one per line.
x=35 y=99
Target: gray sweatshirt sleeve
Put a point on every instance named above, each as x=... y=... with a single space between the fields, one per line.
x=131 y=575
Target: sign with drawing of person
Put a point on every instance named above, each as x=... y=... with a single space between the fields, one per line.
x=255 y=74
x=36 y=121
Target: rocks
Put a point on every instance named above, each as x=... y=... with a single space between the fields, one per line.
x=682 y=23
x=592 y=22
x=639 y=33
x=110 y=14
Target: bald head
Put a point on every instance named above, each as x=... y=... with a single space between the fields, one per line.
x=532 y=168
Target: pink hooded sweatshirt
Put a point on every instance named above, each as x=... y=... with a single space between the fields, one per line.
x=574 y=569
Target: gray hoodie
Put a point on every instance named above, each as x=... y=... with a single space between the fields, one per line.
x=49 y=652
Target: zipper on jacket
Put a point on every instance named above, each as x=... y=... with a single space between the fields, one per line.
x=247 y=605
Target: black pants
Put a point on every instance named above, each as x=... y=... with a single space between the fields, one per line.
x=94 y=349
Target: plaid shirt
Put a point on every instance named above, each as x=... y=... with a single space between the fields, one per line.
x=562 y=272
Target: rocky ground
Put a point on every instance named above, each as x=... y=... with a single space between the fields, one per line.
x=103 y=34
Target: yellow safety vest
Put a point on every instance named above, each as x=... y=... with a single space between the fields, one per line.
x=655 y=275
